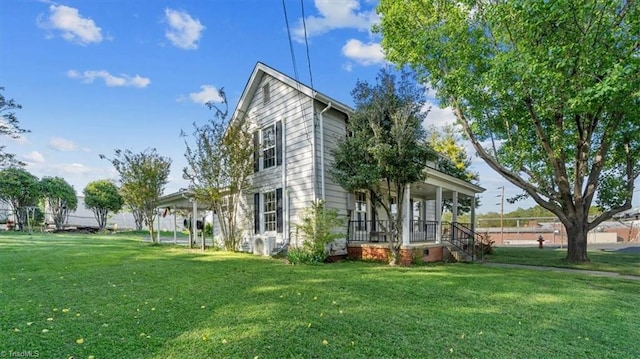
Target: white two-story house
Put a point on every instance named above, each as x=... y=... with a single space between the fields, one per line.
x=295 y=128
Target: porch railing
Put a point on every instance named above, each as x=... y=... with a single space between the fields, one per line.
x=463 y=238
x=423 y=231
x=378 y=231
x=368 y=231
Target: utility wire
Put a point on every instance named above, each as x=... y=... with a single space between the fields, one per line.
x=293 y=56
x=295 y=72
x=306 y=42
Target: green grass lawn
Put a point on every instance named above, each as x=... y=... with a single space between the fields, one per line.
x=110 y=297
x=608 y=261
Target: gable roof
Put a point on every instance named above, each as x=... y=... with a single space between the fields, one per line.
x=260 y=70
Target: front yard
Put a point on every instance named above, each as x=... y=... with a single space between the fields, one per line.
x=106 y=296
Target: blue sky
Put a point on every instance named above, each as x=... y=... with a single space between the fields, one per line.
x=95 y=76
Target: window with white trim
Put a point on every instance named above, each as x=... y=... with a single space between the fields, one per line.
x=269 y=146
x=269 y=211
x=266 y=94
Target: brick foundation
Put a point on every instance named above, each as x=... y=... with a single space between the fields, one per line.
x=408 y=255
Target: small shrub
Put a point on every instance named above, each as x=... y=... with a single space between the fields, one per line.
x=485 y=244
x=318 y=229
x=299 y=255
x=208 y=229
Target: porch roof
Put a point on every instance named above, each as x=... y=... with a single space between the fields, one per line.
x=182 y=199
x=448 y=183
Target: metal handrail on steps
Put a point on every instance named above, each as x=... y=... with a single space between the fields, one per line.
x=463 y=238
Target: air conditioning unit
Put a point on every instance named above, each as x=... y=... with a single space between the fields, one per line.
x=263 y=246
x=269 y=245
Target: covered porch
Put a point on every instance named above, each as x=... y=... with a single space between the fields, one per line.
x=182 y=201
x=422 y=224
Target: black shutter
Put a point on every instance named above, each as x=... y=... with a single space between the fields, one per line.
x=256 y=151
x=279 y=210
x=278 y=143
x=373 y=219
x=256 y=213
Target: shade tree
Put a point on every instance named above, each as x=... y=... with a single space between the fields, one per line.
x=547 y=92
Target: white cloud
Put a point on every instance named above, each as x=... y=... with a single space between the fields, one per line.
x=72 y=26
x=73 y=168
x=34 y=156
x=20 y=139
x=184 y=31
x=208 y=93
x=110 y=80
x=364 y=54
x=438 y=116
x=336 y=14
x=61 y=144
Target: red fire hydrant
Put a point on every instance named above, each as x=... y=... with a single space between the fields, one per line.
x=540 y=241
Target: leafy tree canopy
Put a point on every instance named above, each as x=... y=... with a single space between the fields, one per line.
x=60 y=198
x=142 y=177
x=219 y=165
x=102 y=197
x=386 y=149
x=20 y=189
x=547 y=92
x=9 y=126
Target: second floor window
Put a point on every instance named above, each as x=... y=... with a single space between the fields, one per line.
x=269 y=146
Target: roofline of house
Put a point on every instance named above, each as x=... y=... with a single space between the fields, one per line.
x=261 y=69
x=441 y=175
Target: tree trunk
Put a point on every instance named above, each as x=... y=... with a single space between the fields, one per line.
x=395 y=242
x=577 y=241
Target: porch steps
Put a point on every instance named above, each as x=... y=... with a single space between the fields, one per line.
x=459 y=255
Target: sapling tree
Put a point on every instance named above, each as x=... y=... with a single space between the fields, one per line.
x=220 y=161
x=143 y=177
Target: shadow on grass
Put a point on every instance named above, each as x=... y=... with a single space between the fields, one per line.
x=125 y=298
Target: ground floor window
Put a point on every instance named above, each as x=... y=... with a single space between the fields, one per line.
x=269 y=212
x=361 y=211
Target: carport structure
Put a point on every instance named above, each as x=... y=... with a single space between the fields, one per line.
x=183 y=200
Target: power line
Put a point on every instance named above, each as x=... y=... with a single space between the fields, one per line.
x=306 y=42
x=293 y=56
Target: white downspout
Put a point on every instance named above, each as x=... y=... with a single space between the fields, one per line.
x=285 y=192
x=322 y=148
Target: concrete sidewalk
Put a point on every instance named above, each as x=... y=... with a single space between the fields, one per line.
x=564 y=270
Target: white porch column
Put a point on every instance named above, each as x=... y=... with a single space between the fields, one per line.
x=454 y=207
x=194 y=223
x=438 y=214
x=175 y=226
x=158 y=216
x=406 y=216
x=473 y=213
